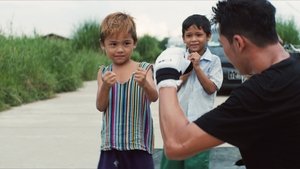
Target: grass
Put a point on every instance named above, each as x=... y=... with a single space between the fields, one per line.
x=37 y=68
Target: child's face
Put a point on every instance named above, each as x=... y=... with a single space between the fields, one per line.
x=195 y=39
x=119 y=47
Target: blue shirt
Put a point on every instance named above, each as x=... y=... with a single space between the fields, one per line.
x=192 y=97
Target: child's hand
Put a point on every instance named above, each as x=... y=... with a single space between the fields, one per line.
x=184 y=77
x=140 y=76
x=109 y=78
x=194 y=58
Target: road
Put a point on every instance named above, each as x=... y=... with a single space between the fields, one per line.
x=59 y=133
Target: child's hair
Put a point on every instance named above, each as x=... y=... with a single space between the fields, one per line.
x=199 y=20
x=115 y=23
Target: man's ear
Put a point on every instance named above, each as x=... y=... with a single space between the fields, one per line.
x=238 y=42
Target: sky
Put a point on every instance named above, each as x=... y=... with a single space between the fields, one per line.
x=156 y=18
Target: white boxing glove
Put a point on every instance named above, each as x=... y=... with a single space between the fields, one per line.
x=169 y=66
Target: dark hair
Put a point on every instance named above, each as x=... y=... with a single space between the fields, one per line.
x=254 y=19
x=199 y=20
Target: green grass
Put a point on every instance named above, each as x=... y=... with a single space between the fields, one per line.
x=36 y=68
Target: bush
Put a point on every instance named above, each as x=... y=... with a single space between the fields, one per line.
x=24 y=77
x=91 y=61
x=36 y=68
x=288 y=31
x=87 y=36
x=148 y=48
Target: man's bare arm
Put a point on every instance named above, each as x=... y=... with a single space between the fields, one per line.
x=181 y=138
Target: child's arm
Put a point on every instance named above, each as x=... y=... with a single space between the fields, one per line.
x=104 y=85
x=207 y=84
x=183 y=78
x=145 y=79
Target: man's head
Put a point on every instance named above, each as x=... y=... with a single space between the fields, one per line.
x=117 y=23
x=253 y=19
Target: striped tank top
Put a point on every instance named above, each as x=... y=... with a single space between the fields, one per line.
x=127 y=122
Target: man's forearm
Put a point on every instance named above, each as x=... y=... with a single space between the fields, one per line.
x=181 y=138
x=172 y=118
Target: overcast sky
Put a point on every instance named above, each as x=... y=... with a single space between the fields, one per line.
x=157 y=18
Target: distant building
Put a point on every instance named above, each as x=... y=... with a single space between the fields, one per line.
x=55 y=36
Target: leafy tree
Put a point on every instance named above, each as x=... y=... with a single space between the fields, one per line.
x=163 y=43
x=288 y=31
x=136 y=56
x=148 y=48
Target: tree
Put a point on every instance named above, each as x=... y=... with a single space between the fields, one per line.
x=288 y=31
x=148 y=48
x=163 y=43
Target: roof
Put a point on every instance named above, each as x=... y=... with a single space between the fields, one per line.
x=55 y=36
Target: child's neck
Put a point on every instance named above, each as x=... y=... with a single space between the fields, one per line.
x=125 y=71
x=124 y=65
